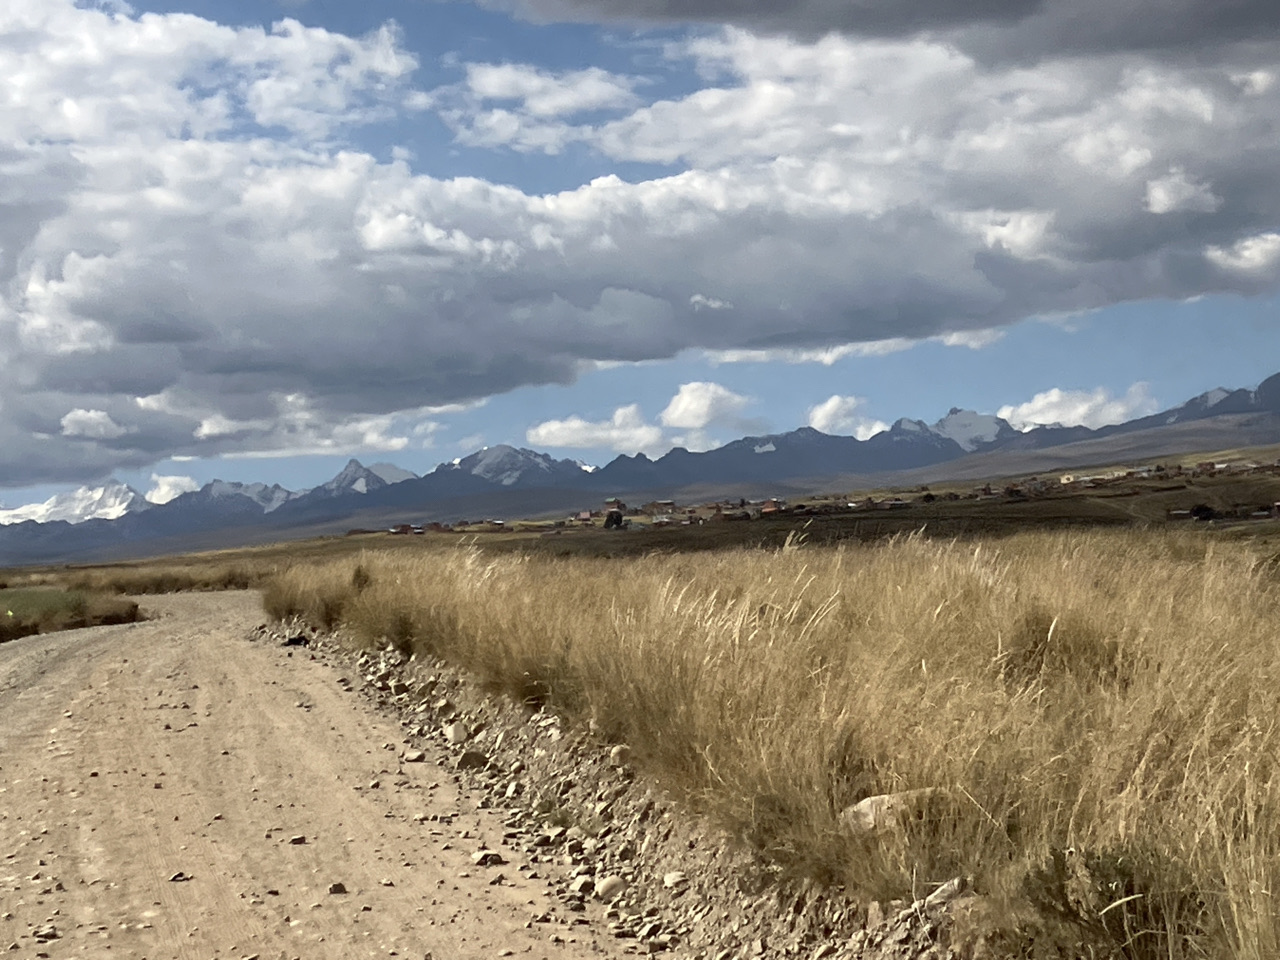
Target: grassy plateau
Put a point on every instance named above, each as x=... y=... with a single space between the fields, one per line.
x=1098 y=711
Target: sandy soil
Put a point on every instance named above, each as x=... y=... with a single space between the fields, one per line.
x=155 y=777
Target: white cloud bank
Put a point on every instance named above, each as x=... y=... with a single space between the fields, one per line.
x=1087 y=408
x=184 y=214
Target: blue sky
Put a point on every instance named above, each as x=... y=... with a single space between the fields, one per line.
x=251 y=240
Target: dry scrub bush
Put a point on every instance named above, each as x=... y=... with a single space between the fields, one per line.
x=1101 y=710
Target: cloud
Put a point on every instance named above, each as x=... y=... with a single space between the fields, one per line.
x=91 y=425
x=625 y=432
x=1088 y=408
x=697 y=409
x=839 y=416
x=546 y=94
x=165 y=488
x=1175 y=193
x=185 y=211
x=829 y=356
x=527 y=108
x=700 y=301
x=971 y=339
x=1020 y=29
x=701 y=404
x=1250 y=255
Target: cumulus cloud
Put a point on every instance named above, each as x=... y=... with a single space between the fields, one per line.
x=546 y=94
x=697 y=409
x=185 y=213
x=625 y=432
x=1175 y=192
x=165 y=488
x=701 y=404
x=1087 y=408
x=91 y=425
x=1251 y=255
x=839 y=416
x=528 y=108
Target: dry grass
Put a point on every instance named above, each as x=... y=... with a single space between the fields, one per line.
x=192 y=573
x=1101 y=708
x=42 y=610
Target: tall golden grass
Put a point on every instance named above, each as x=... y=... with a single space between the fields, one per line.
x=1100 y=709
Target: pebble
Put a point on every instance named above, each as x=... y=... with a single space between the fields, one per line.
x=620 y=755
x=473 y=760
x=610 y=888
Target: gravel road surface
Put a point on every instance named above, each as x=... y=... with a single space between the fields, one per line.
x=169 y=789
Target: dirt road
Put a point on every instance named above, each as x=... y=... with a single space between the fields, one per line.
x=169 y=789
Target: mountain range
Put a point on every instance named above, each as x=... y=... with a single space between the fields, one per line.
x=114 y=520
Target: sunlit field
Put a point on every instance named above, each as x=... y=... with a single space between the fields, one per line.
x=1099 y=711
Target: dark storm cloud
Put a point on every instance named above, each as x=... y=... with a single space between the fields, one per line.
x=1003 y=29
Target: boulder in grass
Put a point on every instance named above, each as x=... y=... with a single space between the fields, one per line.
x=892 y=812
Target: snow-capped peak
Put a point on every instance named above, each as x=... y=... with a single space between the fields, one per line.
x=267 y=497
x=355 y=477
x=108 y=502
x=507 y=465
x=969 y=429
x=504 y=464
x=1214 y=397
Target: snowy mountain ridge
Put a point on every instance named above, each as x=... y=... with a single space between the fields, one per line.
x=108 y=502
x=972 y=430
